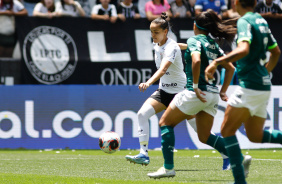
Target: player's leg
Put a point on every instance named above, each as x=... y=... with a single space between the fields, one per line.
x=148 y=109
x=233 y=119
x=226 y=163
x=204 y=123
x=171 y=117
x=254 y=129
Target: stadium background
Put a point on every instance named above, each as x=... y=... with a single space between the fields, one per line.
x=91 y=70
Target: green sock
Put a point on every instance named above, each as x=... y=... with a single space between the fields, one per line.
x=217 y=143
x=168 y=141
x=272 y=136
x=236 y=158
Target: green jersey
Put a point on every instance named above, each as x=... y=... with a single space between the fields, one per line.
x=209 y=51
x=252 y=73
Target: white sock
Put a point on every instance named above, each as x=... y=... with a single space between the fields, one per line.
x=145 y=112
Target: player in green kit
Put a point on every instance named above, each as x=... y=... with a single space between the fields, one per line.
x=249 y=101
x=200 y=98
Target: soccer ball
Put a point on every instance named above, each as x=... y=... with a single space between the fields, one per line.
x=109 y=142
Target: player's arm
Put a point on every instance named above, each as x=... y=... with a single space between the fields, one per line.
x=196 y=67
x=157 y=75
x=229 y=72
x=183 y=46
x=274 y=57
x=241 y=51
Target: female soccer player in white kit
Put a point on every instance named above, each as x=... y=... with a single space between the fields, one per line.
x=168 y=58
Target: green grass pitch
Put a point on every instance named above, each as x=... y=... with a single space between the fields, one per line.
x=96 y=167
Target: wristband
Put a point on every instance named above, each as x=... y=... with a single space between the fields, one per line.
x=195 y=85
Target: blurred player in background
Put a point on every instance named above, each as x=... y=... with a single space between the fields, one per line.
x=249 y=101
x=168 y=58
x=200 y=98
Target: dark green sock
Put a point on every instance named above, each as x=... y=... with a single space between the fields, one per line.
x=217 y=143
x=272 y=136
x=236 y=158
x=168 y=141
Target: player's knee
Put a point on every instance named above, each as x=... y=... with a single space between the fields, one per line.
x=142 y=116
x=145 y=113
x=162 y=122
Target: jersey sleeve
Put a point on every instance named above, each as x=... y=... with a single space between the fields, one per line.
x=223 y=6
x=148 y=7
x=114 y=10
x=244 y=31
x=58 y=7
x=170 y=53
x=95 y=10
x=271 y=41
x=18 y=6
x=199 y=4
x=77 y=4
x=37 y=7
x=194 y=46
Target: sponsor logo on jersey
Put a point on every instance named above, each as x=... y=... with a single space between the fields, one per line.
x=50 y=54
x=169 y=85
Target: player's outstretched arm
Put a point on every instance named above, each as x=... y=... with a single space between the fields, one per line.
x=183 y=46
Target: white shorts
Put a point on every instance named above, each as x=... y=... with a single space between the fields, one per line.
x=187 y=102
x=254 y=100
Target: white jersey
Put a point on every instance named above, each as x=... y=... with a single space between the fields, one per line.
x=40 y=8
x=174 y=80
x=67 y=9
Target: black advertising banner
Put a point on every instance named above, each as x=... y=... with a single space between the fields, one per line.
x=71 y=50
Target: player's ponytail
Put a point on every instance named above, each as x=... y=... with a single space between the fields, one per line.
x=162 y=21
x=211 y=23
